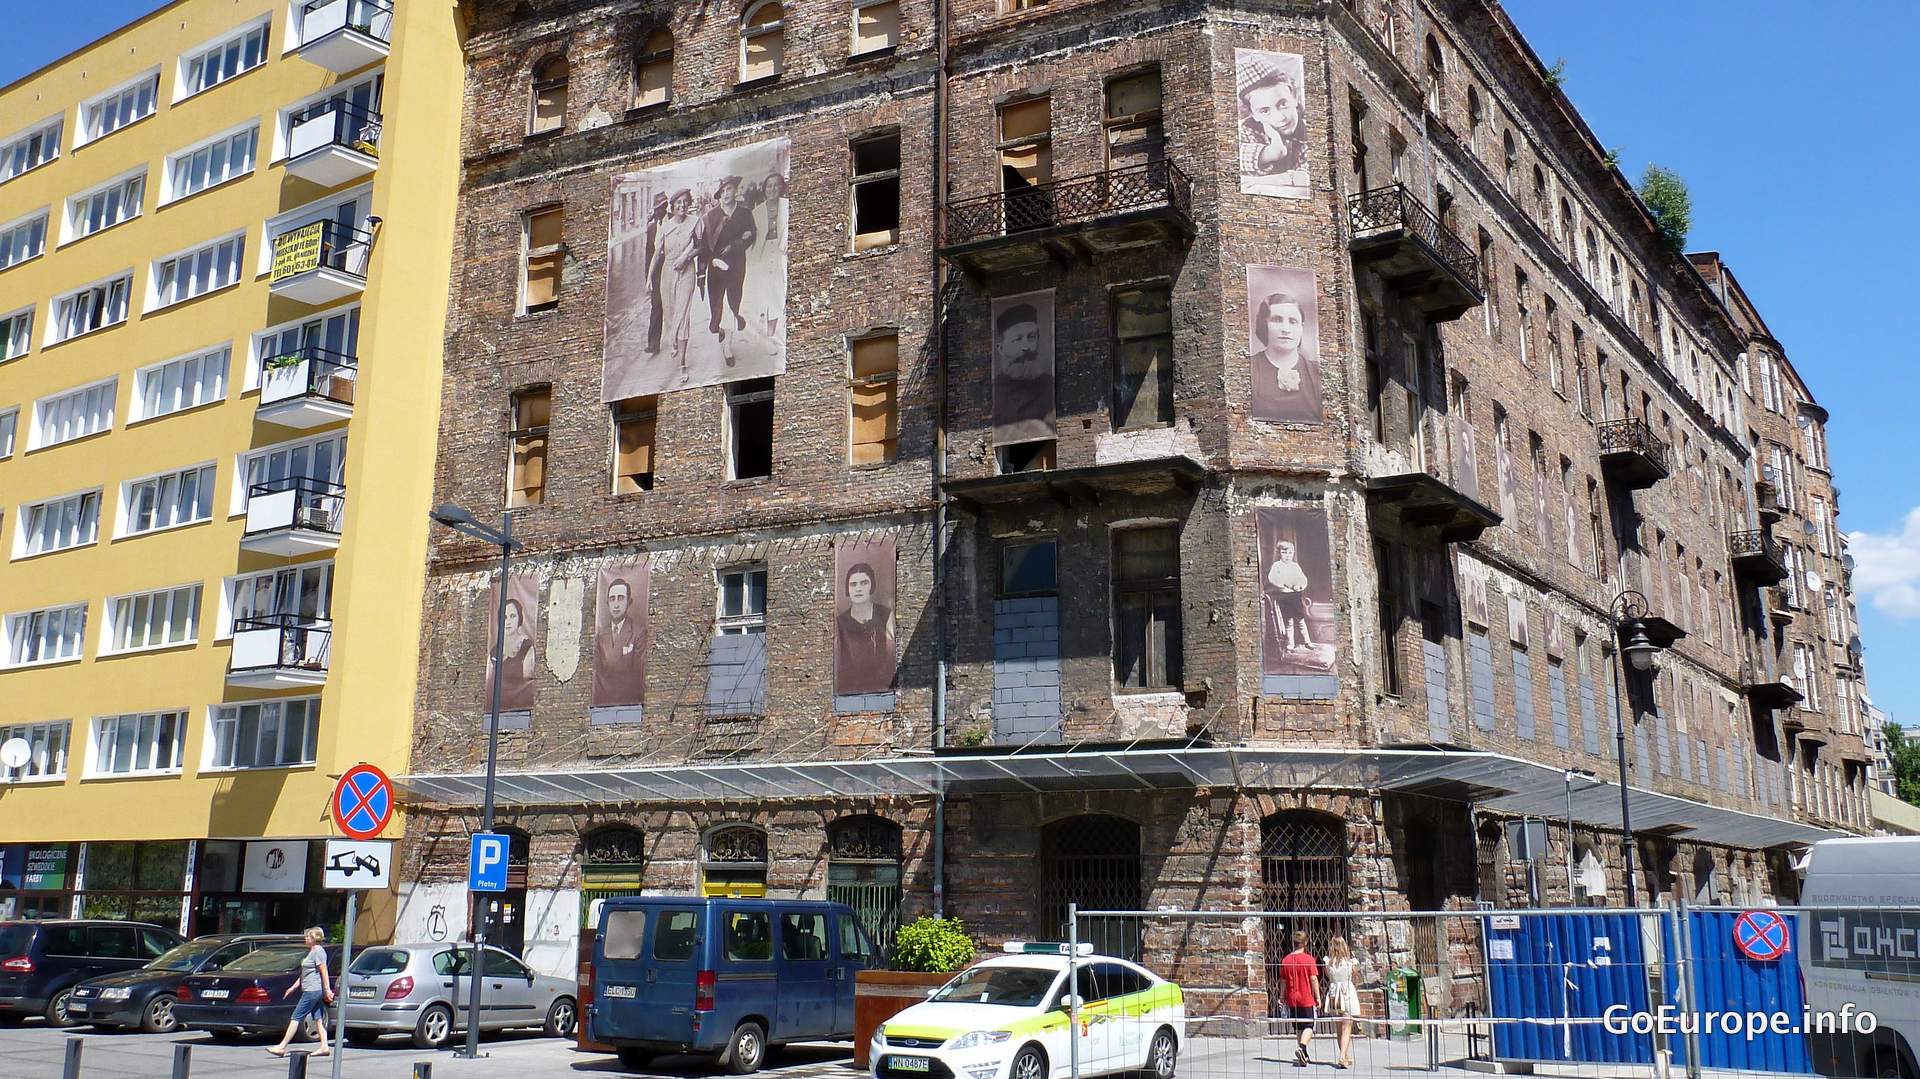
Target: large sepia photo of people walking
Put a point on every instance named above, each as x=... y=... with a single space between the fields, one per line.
x=697 y=272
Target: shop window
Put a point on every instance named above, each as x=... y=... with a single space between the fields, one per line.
x=1092 y=861
x=1026 y=162
x=634 y=423
x=733 y=862
x=875 y=203
x=543 y=255
x=874 y=399
x=527 y=447
x=762 y=41
x=548 y=110
x=749 y=428
x=1132 y=123
x=653 y=70
x=1143 y=357
x=1146 y=606
x=876 y=25
x=143 y=882
x=863 y=871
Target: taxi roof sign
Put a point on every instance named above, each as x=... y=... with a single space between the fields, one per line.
x=1041 y=947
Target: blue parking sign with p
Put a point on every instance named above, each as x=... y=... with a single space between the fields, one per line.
x=487 y=863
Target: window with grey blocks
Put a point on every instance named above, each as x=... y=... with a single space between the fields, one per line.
x=1557 y=689
x=1480 y=676
x=1589 y=714
x=1026 y=669
x=737 y=674
x=1439 y=676
x=1522 y=694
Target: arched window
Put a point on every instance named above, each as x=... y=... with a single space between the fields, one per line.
x=1436 y=77
x=762 y=41
x=1509 y=160
x=1563 y=225
x=612 y=860
x=653 y=70
x=863 y=871
x=733 y=861
x=549 y=107
x=1476 y=116
x=1303 y=867
x=1094 y=861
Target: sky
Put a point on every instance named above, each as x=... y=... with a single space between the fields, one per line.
x=1794 y=127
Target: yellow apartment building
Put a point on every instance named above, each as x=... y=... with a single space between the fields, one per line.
x=224 y=249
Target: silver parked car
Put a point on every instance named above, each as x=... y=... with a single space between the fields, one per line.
x=422 y=990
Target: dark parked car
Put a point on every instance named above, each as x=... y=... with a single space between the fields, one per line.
x=41 y=961
x=248 y=995
x=145 y=997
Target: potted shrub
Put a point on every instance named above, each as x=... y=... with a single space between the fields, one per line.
x=926 y=952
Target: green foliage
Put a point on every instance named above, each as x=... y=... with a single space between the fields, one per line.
x=1557 y=74
x=1612 y=157
x=1904 y=753
x=971 y=737
x=1665 y=194
x=932 y=946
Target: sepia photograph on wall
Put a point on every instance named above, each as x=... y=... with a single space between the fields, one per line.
x=865 y=647
x=1272 y=123
x=1283 y=345
x=621 y=594
x=518 y=654
x=1298 y=630
x=1023 y=390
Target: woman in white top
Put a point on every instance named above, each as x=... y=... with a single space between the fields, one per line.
x=1343 y=1000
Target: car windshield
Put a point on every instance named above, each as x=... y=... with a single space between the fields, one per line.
x=15 y=939
x=185 y=957
x=277 y=960
x=1015 y=987
x=380 y=961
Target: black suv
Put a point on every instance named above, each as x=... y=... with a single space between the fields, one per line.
x=144 y=998
x=41 y=962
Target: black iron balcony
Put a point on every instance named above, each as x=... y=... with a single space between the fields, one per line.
x=1075 y=219
x=345 y=35
x=320 y=262
x=1755 y=554
x=1423 y=502
x=332 y=142
x=279 y=651
x=1414 y=252
x=294 y=515
x=1631 y=454
x=307 y=387
x=1767 y=689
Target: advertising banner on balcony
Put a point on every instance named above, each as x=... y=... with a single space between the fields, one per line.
x=1273 y=123
x=697 y=272
x=621 y=595
x=1298 y=633
x=864 y=655
x=1023 y=402
x=1283 y=344
x=518 y=654
x=298 y=251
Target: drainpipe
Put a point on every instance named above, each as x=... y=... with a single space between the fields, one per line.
x=939 y=454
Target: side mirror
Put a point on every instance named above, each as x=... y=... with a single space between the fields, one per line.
x=932 y=991
x=1070 y=1002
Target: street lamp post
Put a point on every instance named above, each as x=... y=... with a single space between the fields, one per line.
x=463 y=522
x=1628 y=615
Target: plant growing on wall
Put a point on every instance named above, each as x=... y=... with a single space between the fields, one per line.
x=932 y=946
x=1665 y=194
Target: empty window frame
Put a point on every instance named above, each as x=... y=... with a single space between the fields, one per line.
x=1132 y=120
x=1026 y=160
x=148 y=743
x=158 y=619
x=1029 y=567
x=547 y=108
x=177 y=385
x=741 y=602
x=527 y=447
x=209 y=67
x=1386 y=564
x=266 y=734
x=875 y=198
x=762 y=41
x=47 y=751
x=210 y=163
x=23 y=238
x=58 y=524
x=48 y=635
x=31 y=148
x=749 y=428
x=1142 y=357
x=92 y=308
x=16 y=334
x=544 y=255
x=635 y=422
x=72 y=414
x=117 y=108
x=876 y=25
x=1146 y=608
x=873 y=399
x=168 y=500
x=653 y=70
x=105 y=206
x=195 y=273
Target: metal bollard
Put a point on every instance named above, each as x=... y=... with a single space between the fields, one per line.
x=72 y=1068
x=182 y=1060
x=423 y=1069
x=296 y=1066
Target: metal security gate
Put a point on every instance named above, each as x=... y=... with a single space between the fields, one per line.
x=1303 y=867
x=863 y=871
x=1094 y=861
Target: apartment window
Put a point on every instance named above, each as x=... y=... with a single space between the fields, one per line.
x=1554 y=359
x=198 y=272
x=47 y=635
x=742 y=601
x=1476 y=118
x=105 y=115
x=1592 y=259
x=47 y=751
x=178 y=385
x=304 y=593
x=9 y=420
x=59 y=524
x=334 y=337
x=874 y=399
x=1376 y=360
x=1386 y=565
x=876 y=191
x=16 y=334
x=1029 y=568
x=540 y=279
x=527 y=447
x=1143 y=357
x=1521 y=300
x=168 y=501
x=1026 y=161
x=31 y=149
x=1436 y=78
x=1132 y=122
x=1357 y=133
x=73 y=414
x=170 y=616
x=147 y=743
x=1582 y=386
x=1397 y=156
x=211 y=163
x=230 y=58
x=1146 y=608
x=762 y=42
x=876 y=25
x=92 y=308
x=634 y=423
x=548 y=109
x=23 y=239
x=321 y=459
x=105 y=206
x=749 y=431
x=1596 y=531
x=653 y=70
x=1509 y=161
x=269 y=734
x=1489 y=310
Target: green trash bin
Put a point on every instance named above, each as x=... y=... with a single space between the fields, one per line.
x=1403 y=1002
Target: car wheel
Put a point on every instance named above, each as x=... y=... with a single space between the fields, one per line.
x=635 y=1058
x=434 y=1028
x=56 y=1012
x=560 y=1018
x=1163 y=1055
x=158 y=1018
x=362 y=1037
x=1029 y=1063
x=746 y=1050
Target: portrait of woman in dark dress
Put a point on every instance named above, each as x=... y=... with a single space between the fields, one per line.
x=1286 y=365
x=863 y=636
x=516 y=681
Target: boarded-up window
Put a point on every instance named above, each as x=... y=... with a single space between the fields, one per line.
x=549 y=111
x=527 y=447
x=876 y=191
x=1146 y=602
x=653 y=71
x=875 y=400
x=876 y=25
x=633 y=428
x=1143 y=357
x=544 y=254
x=762 y=42
x=1132 y=121
x=1026 y=161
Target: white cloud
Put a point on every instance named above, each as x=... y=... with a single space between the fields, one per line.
x=1887 y=567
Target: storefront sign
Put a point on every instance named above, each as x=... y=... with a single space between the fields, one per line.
x=297 y=251
x=46 y=869
x=276 y=865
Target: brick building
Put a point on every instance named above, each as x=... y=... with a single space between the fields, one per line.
x=1251 y=438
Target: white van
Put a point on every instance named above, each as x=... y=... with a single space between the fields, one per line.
x=1865 y=952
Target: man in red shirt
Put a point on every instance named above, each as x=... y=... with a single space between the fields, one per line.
x=1301 y=971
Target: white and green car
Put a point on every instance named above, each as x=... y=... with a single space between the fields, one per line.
x=1009 y=1018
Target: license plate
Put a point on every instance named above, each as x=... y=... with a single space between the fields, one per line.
x=617 y=992
x=909 y=1064
x=361 y=992
x=76 y=1007
x=213 y=994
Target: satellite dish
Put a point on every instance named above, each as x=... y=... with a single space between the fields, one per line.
x=1847 y=561
x=1766 y=473
x=15 y=753
x=1813 y=581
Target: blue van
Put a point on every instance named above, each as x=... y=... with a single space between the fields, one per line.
x=730 y=977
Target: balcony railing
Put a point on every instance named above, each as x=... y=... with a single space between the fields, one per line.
x=1754 y=552
x=279 y=651
x=294 y=515
x=1121 y=207
x=345 y=35
x=320 y=262
x=1766 y=688
x=1632 y=453
x=307 y=386
x=1415 y=251
x=332 y=142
